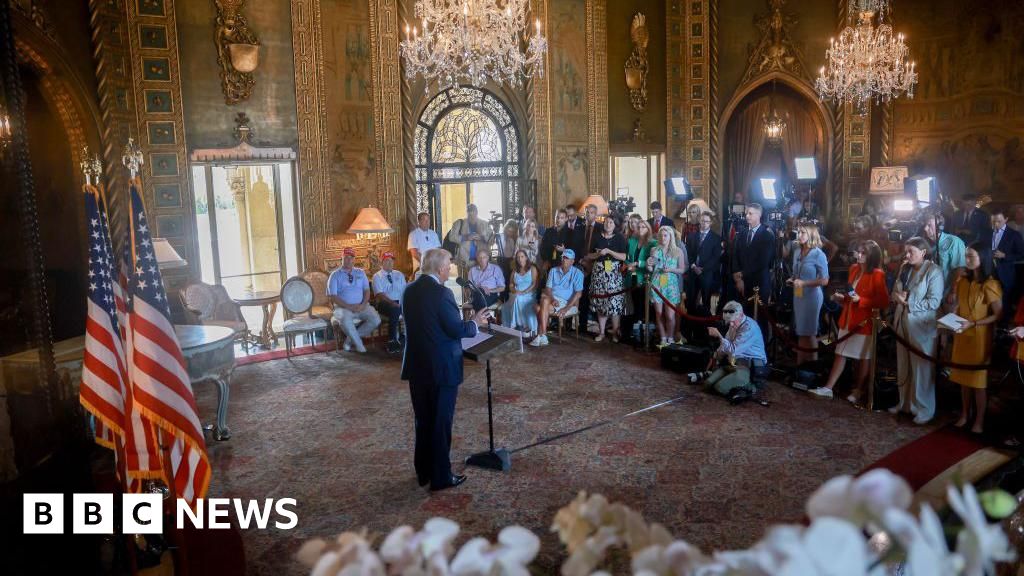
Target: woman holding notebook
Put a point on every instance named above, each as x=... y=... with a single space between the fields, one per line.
x=978 y=300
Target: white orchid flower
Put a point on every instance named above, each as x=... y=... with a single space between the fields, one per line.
x=924 y=541
x=515 y=549
x=425 y=552
x=679 y=558
x=981 y=544
x=860 y=500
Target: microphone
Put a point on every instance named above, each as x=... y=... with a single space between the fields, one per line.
x=469 y=285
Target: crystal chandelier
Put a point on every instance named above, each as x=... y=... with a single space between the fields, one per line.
x=473 y=42
x=867 y=62
x=773 y=124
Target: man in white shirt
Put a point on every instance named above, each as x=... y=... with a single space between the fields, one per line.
x=388 y=287
x=421 y=239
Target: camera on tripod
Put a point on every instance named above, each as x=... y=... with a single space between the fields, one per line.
x=621 y=208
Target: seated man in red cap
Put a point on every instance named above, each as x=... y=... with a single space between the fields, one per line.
x=388 y=287
x=349 y=291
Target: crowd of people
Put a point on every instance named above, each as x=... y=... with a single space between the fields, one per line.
x=615 y=270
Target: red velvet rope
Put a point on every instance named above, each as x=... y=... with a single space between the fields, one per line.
x=791 y=343
x=921 y=354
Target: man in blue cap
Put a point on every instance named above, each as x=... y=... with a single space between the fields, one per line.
x=561 y=295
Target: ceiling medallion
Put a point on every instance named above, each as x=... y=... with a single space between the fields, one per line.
x=473 y=42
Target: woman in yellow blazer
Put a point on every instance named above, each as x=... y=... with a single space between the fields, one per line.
x=978 y=299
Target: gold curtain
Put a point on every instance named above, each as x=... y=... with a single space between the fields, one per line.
x=801 y=135
x=746 y=145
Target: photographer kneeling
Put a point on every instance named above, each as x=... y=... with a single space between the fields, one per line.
x=742 y=349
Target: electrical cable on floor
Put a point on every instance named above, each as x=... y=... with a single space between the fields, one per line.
x=550 y=439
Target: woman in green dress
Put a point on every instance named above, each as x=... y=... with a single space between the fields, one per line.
x=638 y=249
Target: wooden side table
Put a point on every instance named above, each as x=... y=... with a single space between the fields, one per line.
x=268 y=301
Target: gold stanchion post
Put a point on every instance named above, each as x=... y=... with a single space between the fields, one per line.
x=873 y=347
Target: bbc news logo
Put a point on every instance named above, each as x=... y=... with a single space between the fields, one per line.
x=143 y=513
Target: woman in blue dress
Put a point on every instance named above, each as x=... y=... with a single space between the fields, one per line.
x=810 y=276
x=519 y=311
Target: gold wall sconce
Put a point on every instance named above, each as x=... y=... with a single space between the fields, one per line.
x=238 y=51
x=636 y=65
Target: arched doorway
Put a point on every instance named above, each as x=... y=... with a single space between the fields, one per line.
x=467 y=150
x=747 y=156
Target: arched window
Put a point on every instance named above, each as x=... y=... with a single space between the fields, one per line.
x=466 y=150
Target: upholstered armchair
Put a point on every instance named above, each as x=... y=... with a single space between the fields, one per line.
x=211 y=306
x=322 y=307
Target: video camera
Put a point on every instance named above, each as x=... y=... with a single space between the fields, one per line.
x=621 y=208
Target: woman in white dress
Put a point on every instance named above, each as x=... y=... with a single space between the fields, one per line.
x=917 y=294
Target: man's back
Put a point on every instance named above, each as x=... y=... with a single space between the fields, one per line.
x=434 y=330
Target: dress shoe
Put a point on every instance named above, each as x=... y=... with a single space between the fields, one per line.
x=455 y=481
x=739 y=396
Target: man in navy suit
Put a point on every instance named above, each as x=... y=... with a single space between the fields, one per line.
x=1007 y=249
x=972 y=223
x=433 y=366
x=704 y=252
x=658 y=219
x=752 y=261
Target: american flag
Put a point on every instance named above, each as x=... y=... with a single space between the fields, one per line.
x=160 y=382
x=104 y=375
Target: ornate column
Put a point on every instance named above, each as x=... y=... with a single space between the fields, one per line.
x=597 y=96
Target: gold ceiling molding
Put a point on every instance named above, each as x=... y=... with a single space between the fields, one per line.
x=597 y=95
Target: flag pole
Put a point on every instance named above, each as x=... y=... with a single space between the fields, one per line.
x=178 y=538
x=132 y=159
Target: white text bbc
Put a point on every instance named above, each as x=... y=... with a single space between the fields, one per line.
x=141 y=513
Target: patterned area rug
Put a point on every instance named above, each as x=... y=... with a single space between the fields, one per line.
x=335 y=432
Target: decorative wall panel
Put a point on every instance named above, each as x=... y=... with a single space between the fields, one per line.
x=597 y=95
x=571 y=139
x=538 y=134
x=965 y=124
x=156 y=84
x=349 y=118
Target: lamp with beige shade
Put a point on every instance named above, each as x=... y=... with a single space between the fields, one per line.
x=372 y=226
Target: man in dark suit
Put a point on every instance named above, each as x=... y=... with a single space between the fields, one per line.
x=704 y=252
x=575 y=231
x=752 y=261
x=1007 y=249
x=433 y=366
x=658 y=219
x=972 y=223
x=552 y=243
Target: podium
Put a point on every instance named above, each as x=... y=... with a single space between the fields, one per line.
x=501 y=341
